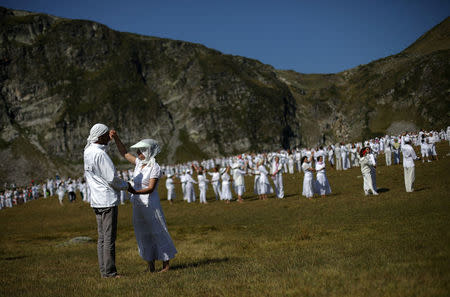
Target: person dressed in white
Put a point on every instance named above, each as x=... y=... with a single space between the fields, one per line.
x=448 y=134
x=215 y=182
x=238 y=179
x=277 y=176
x=298 y=159
x=153 y=238
x=103 y=188
x=170 y=188
x=183 y=184
x=337 y=152
x=50 y=186
x=388 y=150
x=322 y=185
x=425 y=150
x=344 y=156
x=225 y=191
x=44 y=190
x=202 y=183
x=291 y=163
x=331 y=155
x=61 y=192
x=83 y=190
x=365 y=162
x=8 y=199
x=189 y=188
x=308 y=185
x=263 y=181
x=373 y=169
x=409 y=155
x=432 y=146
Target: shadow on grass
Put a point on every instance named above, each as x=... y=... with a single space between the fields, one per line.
x=199 y=263
x=382 y=190
x=422 y=189
x=14 y=258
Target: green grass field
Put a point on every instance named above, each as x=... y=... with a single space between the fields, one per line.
x=396 y=244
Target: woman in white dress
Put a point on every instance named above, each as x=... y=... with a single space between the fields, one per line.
x=170 y=188
x=153 y=238
x=225 y=191
x=61 y=191
x=264 y=184
x=322 y=185
x=308 y=185
x=366 y=169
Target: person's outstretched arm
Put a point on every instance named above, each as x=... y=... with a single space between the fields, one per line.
x=121 y=147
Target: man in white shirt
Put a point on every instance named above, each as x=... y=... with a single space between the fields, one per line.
x=215 y=180
x=387 y=150
x=103 y=188
x=409 y=155
x=238 y=180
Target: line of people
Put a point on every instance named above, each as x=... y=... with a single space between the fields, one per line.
x=227 y=174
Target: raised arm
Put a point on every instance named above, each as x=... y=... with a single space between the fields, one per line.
x=121 y=147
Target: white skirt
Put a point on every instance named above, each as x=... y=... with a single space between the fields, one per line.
x=225 y=191
x=308 y=186
x=322 y=184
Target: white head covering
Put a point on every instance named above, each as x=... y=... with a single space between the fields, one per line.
x=149 y=148
x=407 y=139
x=96 y=131
x=222 y=170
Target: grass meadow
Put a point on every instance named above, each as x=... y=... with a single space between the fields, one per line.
x=396 y=244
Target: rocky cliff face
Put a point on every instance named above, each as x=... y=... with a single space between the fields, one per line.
x=58 y=77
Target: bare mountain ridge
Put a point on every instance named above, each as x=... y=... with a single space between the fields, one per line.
x=60 y=76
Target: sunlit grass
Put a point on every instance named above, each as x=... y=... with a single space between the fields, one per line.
x=396 y=244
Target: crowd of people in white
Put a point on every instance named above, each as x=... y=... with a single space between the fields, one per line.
x=227 y=173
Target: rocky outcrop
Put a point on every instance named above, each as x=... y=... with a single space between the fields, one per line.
x=58 y=77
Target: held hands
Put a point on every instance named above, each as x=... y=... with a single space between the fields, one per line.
x=131 y=189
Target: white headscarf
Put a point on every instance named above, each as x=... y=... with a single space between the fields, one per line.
x=96 y=131
x=149 y=148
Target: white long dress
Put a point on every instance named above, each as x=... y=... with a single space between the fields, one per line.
x=153 y=238
x=322 y=184
x=308 y=187
x=170 y=189
x=264 y=184
x=225 y=192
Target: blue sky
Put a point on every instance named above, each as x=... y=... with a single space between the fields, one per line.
x=306 y=36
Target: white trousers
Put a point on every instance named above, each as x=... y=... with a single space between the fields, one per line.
x=388 y=156
x=202 y=194
x=216 y=189
x=291 y=168
x=338 y=163
x=278 y=182
x=410 y=176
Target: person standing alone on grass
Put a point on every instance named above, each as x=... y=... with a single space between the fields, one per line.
x=103 y=188
x=409 y=155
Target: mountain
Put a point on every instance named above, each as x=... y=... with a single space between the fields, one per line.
x=58 y=77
